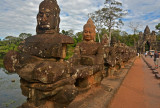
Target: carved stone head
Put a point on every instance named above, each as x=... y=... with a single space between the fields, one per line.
x=48 y=17
x=89 y=32
x=147 y=30
x=105 y=40
x=113 y=41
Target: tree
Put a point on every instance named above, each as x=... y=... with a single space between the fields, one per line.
x=158 y=33
x=79 y=36
x=98 y=21
x=68 y=33
x=112 y=14
x=158 y=26
x=103 y=31
x=64 y=32
x=23 y=36
x=11 y=39
x=124 y=33
x=134 y=27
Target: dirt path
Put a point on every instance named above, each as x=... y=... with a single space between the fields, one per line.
x=139 y=89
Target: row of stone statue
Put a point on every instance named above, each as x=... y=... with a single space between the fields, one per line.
x=47 y=80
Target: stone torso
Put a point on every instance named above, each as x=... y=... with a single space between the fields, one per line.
x=45 y=45
x=88 y=48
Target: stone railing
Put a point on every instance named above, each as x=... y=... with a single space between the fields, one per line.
x=47 y=80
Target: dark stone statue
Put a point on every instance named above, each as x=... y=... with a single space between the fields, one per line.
x=45 y=76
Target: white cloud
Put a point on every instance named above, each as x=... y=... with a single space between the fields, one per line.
x=144 y=12
x=18 y=16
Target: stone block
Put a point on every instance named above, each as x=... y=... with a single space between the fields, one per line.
x=152 y=68
x=154 y=71
x=87 y=60
x=10 y=60
x=46 y=45
x=157 y=76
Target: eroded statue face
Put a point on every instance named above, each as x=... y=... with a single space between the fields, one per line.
x=88 y=34
x=46 y=19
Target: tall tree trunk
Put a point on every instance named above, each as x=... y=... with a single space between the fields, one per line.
x=109 y=29
x=99 y=38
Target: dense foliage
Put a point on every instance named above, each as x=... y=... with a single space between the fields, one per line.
x=158 y=26
x=11 y=43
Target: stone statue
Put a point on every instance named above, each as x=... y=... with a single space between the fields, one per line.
x=45 y=76
x=88 y=58
x=114 y=57
x=105 y=40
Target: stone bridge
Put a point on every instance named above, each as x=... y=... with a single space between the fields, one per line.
x=47 y=80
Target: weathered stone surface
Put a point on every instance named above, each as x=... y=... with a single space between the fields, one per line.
x=87 y=61
x=25 y=66
x=154 y=71
x=50 y=72
x=45 y=77
x=10 y=61
x=105 y=40
x=116 y=56
x=147 y=38
x=48 y=17
x=157 y=76
x=46 y=45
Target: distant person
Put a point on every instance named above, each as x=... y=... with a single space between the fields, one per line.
x=138 y=54
x=145 y=54
x=156 y=59
x=150 y=54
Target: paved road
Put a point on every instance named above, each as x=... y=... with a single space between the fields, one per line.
x=140 y=89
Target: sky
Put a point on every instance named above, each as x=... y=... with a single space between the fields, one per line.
x=19 y=16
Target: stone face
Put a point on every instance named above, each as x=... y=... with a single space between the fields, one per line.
x=105 y=40
x=48 y=17
x=147 y=30
x=89 y=32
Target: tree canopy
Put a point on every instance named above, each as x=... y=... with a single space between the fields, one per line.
x=110 y=16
